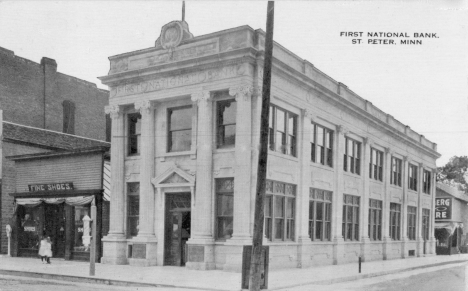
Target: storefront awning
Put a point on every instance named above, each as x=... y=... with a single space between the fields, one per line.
x=448 y=225
x=73 y=201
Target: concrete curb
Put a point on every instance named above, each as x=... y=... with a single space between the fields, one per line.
x=80 y=279
x=371 y=275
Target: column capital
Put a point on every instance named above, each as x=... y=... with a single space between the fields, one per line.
x=406 y=159
x=388 y=151
x=144 y=106
x=201 y=96
x=241 y=92
x=434 y=171
x=309 y=114
x=342 y=130
x=113 y=110
x=368 y=141
x=421 y=165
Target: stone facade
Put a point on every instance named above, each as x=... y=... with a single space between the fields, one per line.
x=199 y=73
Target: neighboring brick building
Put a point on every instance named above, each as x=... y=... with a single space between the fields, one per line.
x=37 y=95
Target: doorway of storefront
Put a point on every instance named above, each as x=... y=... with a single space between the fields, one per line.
x=54 y=227
x=177 y=228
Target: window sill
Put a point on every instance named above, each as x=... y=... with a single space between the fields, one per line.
x=284 y=156
x=396 y=186
x=133 y=157
x=351 y=174
x=375 y=181
x=321 y=242
x=224 y=150
x=192 y=154
x=412 y=191
x=281 y=243
x=323 y=167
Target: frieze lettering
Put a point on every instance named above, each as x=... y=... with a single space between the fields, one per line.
x=177 y=81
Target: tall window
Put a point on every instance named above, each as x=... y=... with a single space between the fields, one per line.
x=179 y=129
x=426 y=214
x=412 y=222
x=134 y=133
x=375 y=166
x=282 y=131
x=133 y=208
x=395 y=177
x=320 y=215
x=321 y=140
x=280 y=204
x=225 y=207
x=413 y=177
x=350 y=227
x=352 y=156
x=68 y=117
x=395 y=221
x=226 y=122
x=427 y=182
x=375 y=219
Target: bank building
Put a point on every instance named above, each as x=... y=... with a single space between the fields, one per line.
x=344 y=178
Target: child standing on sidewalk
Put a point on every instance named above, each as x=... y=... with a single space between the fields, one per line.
x=45 y=250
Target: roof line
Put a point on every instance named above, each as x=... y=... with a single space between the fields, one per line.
x=57 y=132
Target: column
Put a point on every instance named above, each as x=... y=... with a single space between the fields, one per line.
x=387 y=240
x=201 y=243
x=432 y=247
x=303 y=189
x=337 y=206
x=404 y=209
x=146 y=239
x=242 y=207
x=364 y=229
x=115 y=242
x=419 y=236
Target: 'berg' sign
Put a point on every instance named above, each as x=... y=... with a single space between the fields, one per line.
x=443 y=208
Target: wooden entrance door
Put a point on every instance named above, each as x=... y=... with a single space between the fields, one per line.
x=54 y=226
x=177 y=228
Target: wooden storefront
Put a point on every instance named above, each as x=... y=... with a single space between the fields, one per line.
x=54 y=194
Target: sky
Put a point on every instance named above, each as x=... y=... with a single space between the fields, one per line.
x=423 y=86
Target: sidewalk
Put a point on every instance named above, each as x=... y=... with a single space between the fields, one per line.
x=125 y=275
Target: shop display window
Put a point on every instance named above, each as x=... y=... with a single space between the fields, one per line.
x=82 y=228
x=30 y=227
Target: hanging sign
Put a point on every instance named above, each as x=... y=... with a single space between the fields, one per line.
x=51 y=187
x=443 y=208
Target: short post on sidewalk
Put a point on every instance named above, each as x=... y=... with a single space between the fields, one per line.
x=92 y=254
x=359 y=264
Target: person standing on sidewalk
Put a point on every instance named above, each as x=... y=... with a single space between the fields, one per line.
x=45 y=250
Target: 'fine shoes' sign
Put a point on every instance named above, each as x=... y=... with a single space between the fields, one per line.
x=51 y=187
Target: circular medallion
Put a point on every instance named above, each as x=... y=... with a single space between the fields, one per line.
x=171 y=35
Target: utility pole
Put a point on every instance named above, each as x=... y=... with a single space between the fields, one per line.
x=257 y=241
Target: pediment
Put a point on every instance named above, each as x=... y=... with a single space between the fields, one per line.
x=173 y=177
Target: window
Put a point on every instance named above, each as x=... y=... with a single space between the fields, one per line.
x=350 y=226
x=133 y=208
x=226 y=122
x=412 y=222
x=225 y=207
x=282 y=131
x=413 y=177
x=180 y=129
x=395 y=177
x=68 y=117
x=352 y=156
x=375 y=166
x=280 y=204
x=321 y=140
x=395 y=221
x=320 y=215
x=134 y=133
x=375 y=219
x=427 y=182
x=426 y=214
